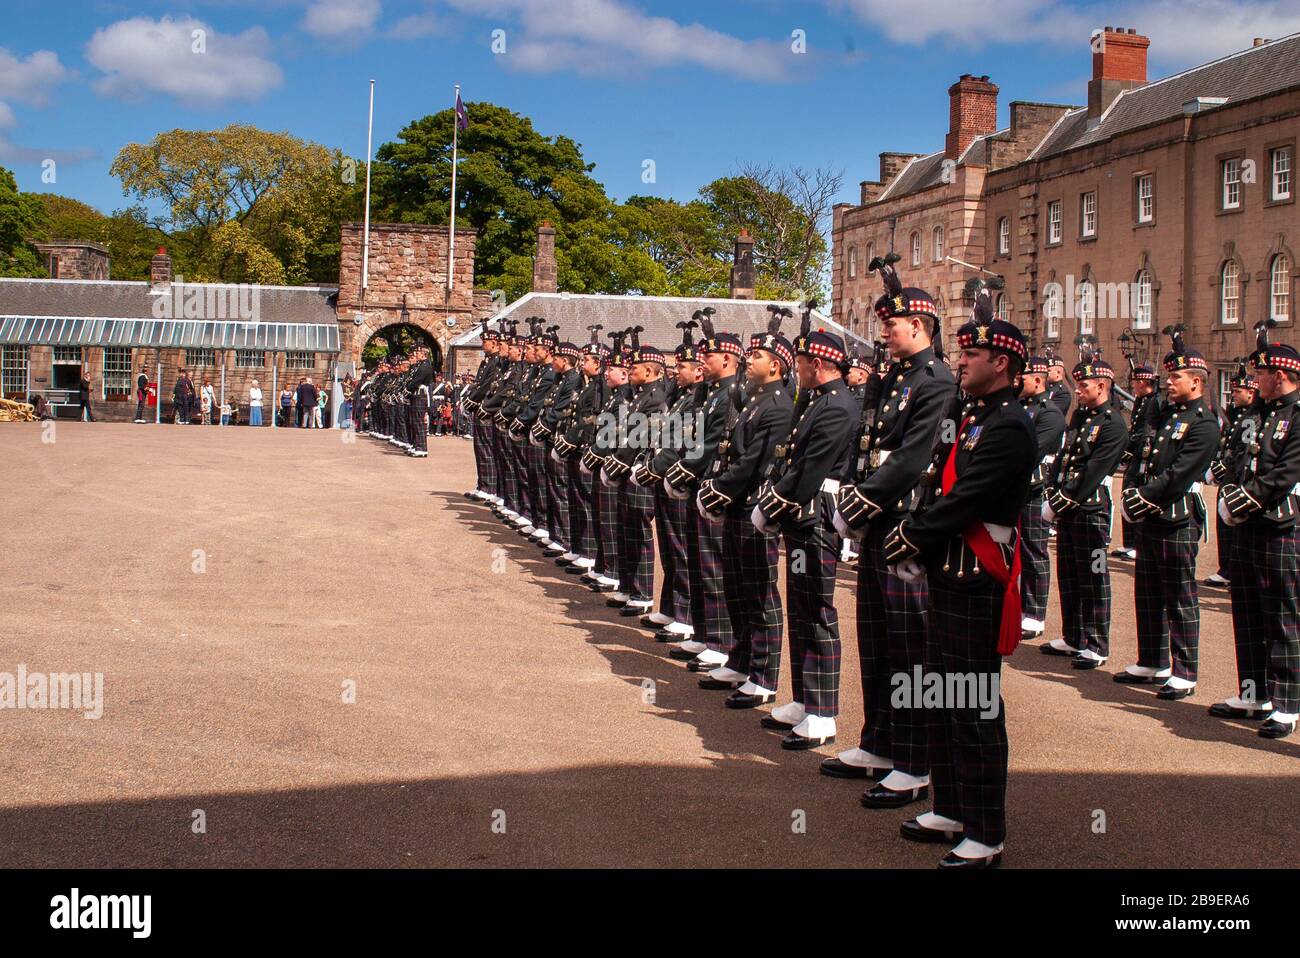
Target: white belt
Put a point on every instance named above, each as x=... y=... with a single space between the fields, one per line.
x=1000 y=534
x=1295 y=490
x=883 y=455
x=1196 y=488
x=831 y=485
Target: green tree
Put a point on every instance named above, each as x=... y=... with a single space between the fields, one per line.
x=130 y=240
x=241 y=204
x=510 y=179
x=21 y=217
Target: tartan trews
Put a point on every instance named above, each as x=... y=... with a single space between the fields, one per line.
x=1264 y=568
x=1164 y=585
x=709 y=613
x=636 y=550
x=1083 y=579
x=1035 y=564
x=582 y=525
x=891 y=641
x=749 y=572
x=672 y=526
x=604 y=508
x=811 y=559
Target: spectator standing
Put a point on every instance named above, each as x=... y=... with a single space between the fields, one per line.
x=83 y=396
x=286 y=405
x=349 y=389
x=141 y=392
x=255 y=404
x=182 y=398
x=207 y=402
x=318 y=411
x=306 y=403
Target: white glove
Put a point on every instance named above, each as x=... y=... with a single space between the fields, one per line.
x=1209 y=476
x=534 y=441
x=582 y=468
x=556 y=456
x=634 y=476
x=676 y=493
x=1122 y=510
x=844 y=529
x=760 y=522
x=705 y=514
x=910 y=571
x=1048 y=515
x=1227 y=516
x=606 y=481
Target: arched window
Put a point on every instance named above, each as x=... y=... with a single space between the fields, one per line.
x=938 y=244
x=853 y=262
x=1230 y=294
x=1004 y=236
x=1143 y=298
x=853 y=320
x=871 y=252
x=1000 y=306
x=1279 y=300
x=916 y=248
x=1052 y=309
x=1087 y=308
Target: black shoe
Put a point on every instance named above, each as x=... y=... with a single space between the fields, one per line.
x=1171 y=694
x=663 y=635
x=718 y=685
x=617 y=603
x=775 y=724
x=470 y=496
x=877 y=796
x=629 y=610
x=744 y=700
x=681 y=655
x=801 y=743
x=1225 y=711
x=1049 y=649
x=650 y=623
x=1084 y=663
x=914 y=831
x=1027 y=636
x=834 y=768
x=597 y=587
x=951 y=861
x=1275 y=729
x=1128 y=678
x=562 y=562
x=695 y=665
x=572 y=569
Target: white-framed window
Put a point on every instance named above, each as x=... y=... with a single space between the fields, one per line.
x=1087 y=308
x=13 y=371
x=937 y=236
x=1088 y=214
x=1054 y=221
x=871 y=252
x=249 y=359
x=202 y=356
x=117 y=371
x=1232 y=184
x=299 y=361
x=1282 y=173
x=1225 y=389
x=1230 y=294
x=67 y=355
x=1146 y=198
x=1052 y=310
x=853 y=262
x=1000 y=306
x=1143 y=297
x=916 y=248
x=1279 y=299
x=1004 y=236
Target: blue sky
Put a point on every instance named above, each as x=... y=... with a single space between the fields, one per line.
x=698 y=88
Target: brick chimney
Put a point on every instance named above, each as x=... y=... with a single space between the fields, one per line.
x=972 y=112
x=742 y=270
x=1119 y=63
x=160 y=270
x=545 y=272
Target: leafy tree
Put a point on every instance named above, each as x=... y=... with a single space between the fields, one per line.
x=21 y=217
x=130 y=240
x=242 y=204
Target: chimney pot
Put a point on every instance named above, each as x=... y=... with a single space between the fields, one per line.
x=1119 y=63
x=160 y=270
x=972 y=112
x=546 y=272
x=742 y=269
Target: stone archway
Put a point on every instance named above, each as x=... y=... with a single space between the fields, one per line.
x=398 y=337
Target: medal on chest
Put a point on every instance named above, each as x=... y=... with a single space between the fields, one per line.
x=1179 y=431
x=1280 y=431
x=902 y=399
x=1093 y=433
x=972 y=437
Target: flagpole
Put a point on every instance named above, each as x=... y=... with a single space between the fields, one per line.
x=451 y=236
x=365 y=245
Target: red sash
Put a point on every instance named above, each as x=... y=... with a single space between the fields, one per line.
x=989 y=554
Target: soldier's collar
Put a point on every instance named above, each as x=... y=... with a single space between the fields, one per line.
x=1288 y=400
x=768 y=387
x=827 y=387
x=923 y=358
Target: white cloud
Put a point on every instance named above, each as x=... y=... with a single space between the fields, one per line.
x=607 y=36
x=6 y=115
x=350 y=20
x=418 y=26
x=141 y=56
x=30 y=80
x=1183 y=32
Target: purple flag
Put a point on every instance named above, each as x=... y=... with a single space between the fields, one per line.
x=462 y=118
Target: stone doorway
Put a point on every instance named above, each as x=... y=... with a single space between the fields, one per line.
x=399 y=338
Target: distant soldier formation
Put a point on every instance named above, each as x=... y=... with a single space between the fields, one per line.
x=402 y=400
x=721 y=457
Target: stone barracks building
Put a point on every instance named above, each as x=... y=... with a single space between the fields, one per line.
x=1163 y=202
x=80 y=321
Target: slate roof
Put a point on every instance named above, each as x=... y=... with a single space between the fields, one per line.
x=574 y=312
x=1241 y=76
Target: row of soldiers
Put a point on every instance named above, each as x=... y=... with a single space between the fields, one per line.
x=393 y=400
x=948 y=493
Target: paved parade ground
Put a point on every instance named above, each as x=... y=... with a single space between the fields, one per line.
x=316 y=652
